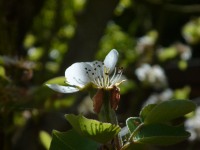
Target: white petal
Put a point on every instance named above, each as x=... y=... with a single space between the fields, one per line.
x=62 y=89
x=111 y=60
x=96 y=69
x=77 y=74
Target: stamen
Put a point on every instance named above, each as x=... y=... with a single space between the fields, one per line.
x=104 y=77
x=102 y=81
x=113 y=75
x=107 y=85
x=95 y=82
x=117 y=77
x=99 y=75
x=99 y=81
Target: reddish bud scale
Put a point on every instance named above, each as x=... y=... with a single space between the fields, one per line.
x=98 y=100
x=115 y=97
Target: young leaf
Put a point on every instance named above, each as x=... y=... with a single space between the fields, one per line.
x=132 y=123
x=146 y=110
x=68 y=140
x=98 y=131
x=166 y=111
x=161 y=134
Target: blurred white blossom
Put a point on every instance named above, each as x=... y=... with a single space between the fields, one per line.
x=184 y=51
x=176 y=50
x=146 y=42
x=54 y=54
x=193 y=125
x=153 y=75
x=159 y=97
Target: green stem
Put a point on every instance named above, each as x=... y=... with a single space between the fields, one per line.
x=133 y=134
x=107 y=114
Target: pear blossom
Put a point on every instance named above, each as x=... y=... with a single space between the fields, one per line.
x=153 y=75
x=146 y=42
x=193 y=125
x=165 y=95
x=101 y=75
x=185 y=51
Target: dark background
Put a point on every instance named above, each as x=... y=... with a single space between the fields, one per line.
x=39 y=39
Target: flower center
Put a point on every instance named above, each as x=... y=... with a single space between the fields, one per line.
x=104 y=80
x=100 y=75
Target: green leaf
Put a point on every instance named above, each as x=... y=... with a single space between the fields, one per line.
x=132 y=123
x=161 y=134
x=45 y=139
x=2 y=72
x=146 y=110
x=167 y=111
x=58 y=80
x=98 y=131
x=3 y=77
x=71 y=140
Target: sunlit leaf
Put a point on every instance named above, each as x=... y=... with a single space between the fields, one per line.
x=64 y=103
x=160 y=134
x=2 y=72
x=183 y=65
x=191 y=32
x=98 y=131
x=71 y=140
x=18 y=119
x=45 y=139
x=167 y=53
x=58 y=80
x=182 y=93
x=34 y=53
x=3 y=77
x=167 y=111
x=29 y=40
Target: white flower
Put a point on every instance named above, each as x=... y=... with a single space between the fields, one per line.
x=184 y=51
x=146 y=42
x=154 y=75
x=159 y=97
x=101 y=75
x=143 y=43
x=193 y=125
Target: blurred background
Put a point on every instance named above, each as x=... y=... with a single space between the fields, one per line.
x=159 y=46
